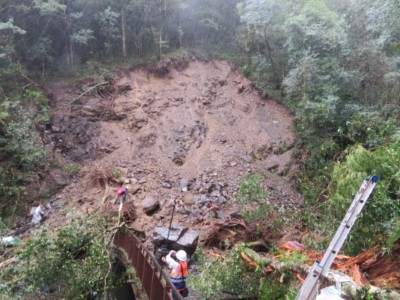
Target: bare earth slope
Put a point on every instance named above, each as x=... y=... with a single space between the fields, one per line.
x=189 y=135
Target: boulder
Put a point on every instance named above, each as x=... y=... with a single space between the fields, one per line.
x=162 y=235
x=188 y=241
x=150 y=205
x=247 y=158
x=178 y=238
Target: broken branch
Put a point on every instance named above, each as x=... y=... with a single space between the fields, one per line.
x=88 y=90
x=7 y=262
x=333 y=277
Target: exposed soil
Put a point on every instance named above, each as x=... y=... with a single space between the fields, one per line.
x=188 y=133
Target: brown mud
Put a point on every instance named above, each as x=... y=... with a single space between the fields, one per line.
x=184 y=132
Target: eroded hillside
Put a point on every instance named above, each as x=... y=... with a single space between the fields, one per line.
x=187 y=133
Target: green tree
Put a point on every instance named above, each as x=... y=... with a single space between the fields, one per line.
x=378 y=219
x=263 y=31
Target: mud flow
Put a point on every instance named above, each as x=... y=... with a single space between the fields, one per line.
x=189 y=134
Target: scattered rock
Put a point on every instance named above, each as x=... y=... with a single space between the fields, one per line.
x=55 y=129
x=124 y=88
x=189 y=199
x=176 y=238
x=184 y=185
x=166 y=185
x=95 y=110
x=58 y=177
x=150 y=205
x=133 y=188
x=247 y=158
x=139 y=120
x=273 y=167
x=164 y=235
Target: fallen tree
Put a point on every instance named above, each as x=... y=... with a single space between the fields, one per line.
x=349 y=288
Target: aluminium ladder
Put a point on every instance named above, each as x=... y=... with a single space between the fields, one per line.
x=309 y=289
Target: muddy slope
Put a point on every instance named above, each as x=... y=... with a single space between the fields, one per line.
x=189 y=135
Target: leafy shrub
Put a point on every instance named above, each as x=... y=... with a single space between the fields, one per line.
x=378 y=218
x=38 y=100
x=71 y=169
x=271 y=289
x=250 y=189
x=11 y=192
x=69 y=262
x=21 y=144
x=370 y=128
x=228 y=274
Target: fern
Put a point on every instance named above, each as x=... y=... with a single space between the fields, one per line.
x=377 y=220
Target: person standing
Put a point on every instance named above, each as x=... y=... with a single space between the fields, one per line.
x=177 y=263
x=122 y=192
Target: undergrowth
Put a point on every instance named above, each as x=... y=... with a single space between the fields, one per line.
x=70 y=262
x=328 y=199
x=218 y=277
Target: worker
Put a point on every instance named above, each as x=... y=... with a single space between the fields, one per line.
x=177 y=263
x=122 y=192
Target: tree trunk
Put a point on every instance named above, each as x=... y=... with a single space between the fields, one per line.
x=123 y=30
x=68 y=42
x=160 y=41
x=253 y=260
x=271 y=59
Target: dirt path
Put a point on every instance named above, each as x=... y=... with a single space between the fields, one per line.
x=190 y=135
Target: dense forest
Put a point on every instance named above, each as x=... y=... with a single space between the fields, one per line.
x=335 y=64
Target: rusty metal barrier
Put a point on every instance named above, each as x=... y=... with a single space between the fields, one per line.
x=155 y=281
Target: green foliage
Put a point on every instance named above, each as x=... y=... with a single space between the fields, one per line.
x=340 y=82
x=21 y=142
x=39 y=101
x=370 y=128
x=217 y=275
x=116 y=173
x=378 y=219
x=230 y=275
x=8 y=74
x=250 y=189
x=271 y=289
x=393 y=236
x=267 y=219
x=317 y=29
x=251 y=198
x=71 y=169
x=70 y=261
x=295 y=257
x=21 y=150
x=11 y=191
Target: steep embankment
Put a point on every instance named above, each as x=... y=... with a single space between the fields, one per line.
x=189 y=135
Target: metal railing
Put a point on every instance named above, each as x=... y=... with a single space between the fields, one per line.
x=155 y=281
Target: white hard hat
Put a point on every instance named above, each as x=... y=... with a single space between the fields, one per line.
x=181 y=255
